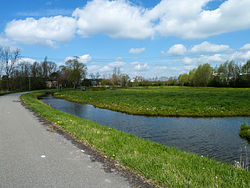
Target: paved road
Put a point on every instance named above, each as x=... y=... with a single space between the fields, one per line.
x=31 y=156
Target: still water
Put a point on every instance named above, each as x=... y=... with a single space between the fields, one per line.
x=213 y=137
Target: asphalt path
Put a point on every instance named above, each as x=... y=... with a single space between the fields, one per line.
x=32 y=156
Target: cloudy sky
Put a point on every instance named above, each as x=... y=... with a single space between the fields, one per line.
x=142 y=37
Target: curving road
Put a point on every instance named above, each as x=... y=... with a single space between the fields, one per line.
x=31 y=156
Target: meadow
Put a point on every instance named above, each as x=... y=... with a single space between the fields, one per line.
x=167 y=101
x=163 y=165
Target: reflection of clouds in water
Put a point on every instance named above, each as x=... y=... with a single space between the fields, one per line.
x=213 y=137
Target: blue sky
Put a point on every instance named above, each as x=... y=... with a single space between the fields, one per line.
x=142 y=37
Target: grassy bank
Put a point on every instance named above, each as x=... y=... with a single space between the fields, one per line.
x=166 y=166
x=168 y=101
x=245 y=132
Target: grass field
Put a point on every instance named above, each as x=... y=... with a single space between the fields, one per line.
x=168 y=101
x=245 y=132
x=165 y=166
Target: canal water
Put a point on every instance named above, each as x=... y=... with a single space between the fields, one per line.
x=212 y=137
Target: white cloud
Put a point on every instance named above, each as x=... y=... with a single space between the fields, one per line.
x=177 y=49
x=209 y=47
x=116 y=64
x=136 y=50
x=5 y=42
x=189 y=67
x=105 y=68
x=93 y=68
x=108 y=67
x=188 y=19
x=214 y=58
x=122 y=19
x=42 y=31
x=245 y=47
x=134 y=63
x=141 y=67
x=201 y=59
x=237 y=56
x=117 y=19
x=187 y=60
x=82 y=59
x=27 y=60
x=160 y=68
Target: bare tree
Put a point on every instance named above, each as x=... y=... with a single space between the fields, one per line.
x=78 y=71
x=48 y=68
x=116 y=75
x=1 y=63
x=124 y=78
x=92 y=76
x=97 y=75
x=9 y=58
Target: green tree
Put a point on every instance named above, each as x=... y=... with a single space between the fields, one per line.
x=191 y=77
x=228 y=74
x=77 y=71
x=203 y=75
x=222 y=73
x=75 y=78
x=246 y=68
x=245 y=75
x=124 y=79
x=183 y=79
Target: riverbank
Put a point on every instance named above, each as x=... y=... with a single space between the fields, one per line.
x=165 y=166
x=245 y=132
x=167 y=101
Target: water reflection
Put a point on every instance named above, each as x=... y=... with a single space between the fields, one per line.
x=213 y=137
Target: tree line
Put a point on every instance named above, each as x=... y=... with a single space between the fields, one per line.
x=228 y=74
x=18 y=74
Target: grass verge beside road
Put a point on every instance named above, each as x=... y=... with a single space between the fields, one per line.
x=165 y=166
x=168 y=101
x=245 y=132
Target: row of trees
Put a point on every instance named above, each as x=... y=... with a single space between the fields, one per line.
x=18 y=74
x=228 y=74
x=115 y=79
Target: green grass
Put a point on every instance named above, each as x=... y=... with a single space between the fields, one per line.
x=168 y=101
x=245 y=132
x=165 y=166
